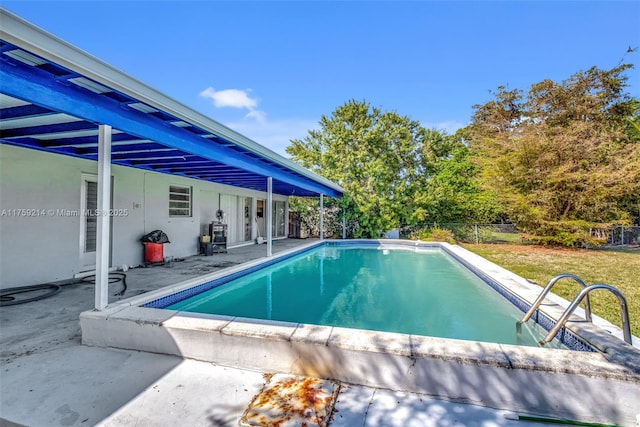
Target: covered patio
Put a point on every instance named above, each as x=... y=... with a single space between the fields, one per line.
x=56 y=98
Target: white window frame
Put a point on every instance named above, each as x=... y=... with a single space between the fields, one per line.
x=175 y=211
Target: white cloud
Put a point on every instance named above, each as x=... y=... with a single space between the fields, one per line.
x=260 y=116
x=273 y=134
x=235 y=98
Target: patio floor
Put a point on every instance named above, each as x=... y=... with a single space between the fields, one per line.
x=49 y=378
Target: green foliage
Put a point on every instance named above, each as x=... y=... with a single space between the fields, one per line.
x=568 y=233
x=374 y=155
x=453 y=193
x=633 y=121
x=394 y=171
x=557 y=160
x=566 y=152
x=434 y=235
x=309 y=210
x=469 y=233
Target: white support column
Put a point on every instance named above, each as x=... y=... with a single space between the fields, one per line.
x=269 y=214
x=321 y=216
x=103 y=218
x=344 y=225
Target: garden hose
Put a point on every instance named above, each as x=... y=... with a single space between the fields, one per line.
x=7 y=296
x=113 y=278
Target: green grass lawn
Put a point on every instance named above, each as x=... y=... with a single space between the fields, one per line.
x=506 y=237
x=617 y=268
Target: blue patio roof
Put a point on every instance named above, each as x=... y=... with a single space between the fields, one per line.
x=53 y=96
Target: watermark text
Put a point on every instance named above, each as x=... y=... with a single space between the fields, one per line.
x=50 y=212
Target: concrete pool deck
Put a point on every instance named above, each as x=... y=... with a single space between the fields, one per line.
x=84 y=386
x=48 y=378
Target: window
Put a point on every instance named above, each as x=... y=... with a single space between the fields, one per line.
x=91 y=220
x=179 y=201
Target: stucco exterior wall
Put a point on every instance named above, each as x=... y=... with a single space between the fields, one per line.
x=40 y=243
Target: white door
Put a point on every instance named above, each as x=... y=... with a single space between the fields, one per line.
x=89 y=222
x=243 y=219
x=260 y=219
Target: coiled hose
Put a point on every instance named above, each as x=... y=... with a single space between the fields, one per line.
x=7 y=296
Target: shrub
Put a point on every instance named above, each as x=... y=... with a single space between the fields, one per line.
x=433 y=235
x=568 y=233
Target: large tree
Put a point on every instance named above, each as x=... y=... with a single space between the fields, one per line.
x=394 y=171
x=453 y=192
x=374 y=156
x=563 y=154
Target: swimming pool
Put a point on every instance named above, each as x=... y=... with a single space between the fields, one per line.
x=545 y=381
x=419 y=290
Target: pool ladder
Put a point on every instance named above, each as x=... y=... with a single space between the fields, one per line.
x=583 y=294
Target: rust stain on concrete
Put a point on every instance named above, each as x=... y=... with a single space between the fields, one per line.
x=288 y=401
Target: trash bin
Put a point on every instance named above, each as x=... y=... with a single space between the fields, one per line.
x=153 y=246
x=153 y=252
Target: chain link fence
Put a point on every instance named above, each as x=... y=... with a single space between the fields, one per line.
x=470 y=233
x=509 y=233
x=618 y=235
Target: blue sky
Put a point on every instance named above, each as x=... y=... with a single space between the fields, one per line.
x=270 y=70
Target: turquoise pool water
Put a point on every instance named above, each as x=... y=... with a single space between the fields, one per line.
x=412 y=291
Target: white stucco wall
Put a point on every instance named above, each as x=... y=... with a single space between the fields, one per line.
x=44 y=248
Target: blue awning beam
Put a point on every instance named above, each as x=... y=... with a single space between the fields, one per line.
x=55 y=96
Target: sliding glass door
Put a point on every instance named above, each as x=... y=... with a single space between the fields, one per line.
x=237 y=214
x=278 y=218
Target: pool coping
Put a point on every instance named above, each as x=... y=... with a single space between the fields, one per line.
x=408 y=362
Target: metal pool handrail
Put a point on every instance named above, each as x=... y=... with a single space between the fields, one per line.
x=624 y=313
x=545 y=291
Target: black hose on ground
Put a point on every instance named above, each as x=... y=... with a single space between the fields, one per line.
x=7 y=295
x=113 y=278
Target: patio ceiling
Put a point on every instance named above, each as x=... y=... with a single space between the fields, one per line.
x=53 y=96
